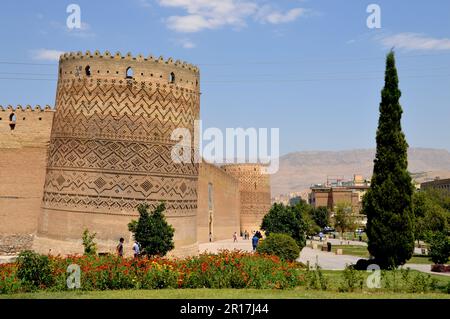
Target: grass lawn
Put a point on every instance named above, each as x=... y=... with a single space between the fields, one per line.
x=420 y=260
x=334 y=278
x=353 y=250
x=361 y=251
x=298 y=293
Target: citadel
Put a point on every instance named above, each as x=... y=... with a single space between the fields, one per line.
x=106 y=147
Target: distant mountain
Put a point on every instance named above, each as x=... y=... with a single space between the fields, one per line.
x=301 y=169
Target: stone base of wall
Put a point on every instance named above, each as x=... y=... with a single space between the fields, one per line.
x=11 y=245
x=49 y=246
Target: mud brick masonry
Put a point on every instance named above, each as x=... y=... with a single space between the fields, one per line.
x=104 y=149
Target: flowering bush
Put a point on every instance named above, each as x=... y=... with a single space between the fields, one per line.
x=223 y=270
x=9 y=281
x=34 y=270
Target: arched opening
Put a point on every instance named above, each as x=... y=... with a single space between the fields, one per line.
x=88 y=70
x=129 y=74
x=12 y=121
x=172 y=78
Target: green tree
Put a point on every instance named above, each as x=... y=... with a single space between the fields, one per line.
x=286 y=220
x=310 y=225
x=152 y=231
x=440 y=197
x=388 y=202
x=281 y=245
x=306 y=211
x=429 y=215
x=439 y=247
x=344 y=219
x=90 y=247
x=321 y=216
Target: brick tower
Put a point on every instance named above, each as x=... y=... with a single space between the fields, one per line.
x=254 y=189
x=110 y=149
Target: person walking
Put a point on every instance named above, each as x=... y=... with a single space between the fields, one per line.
x=119 y=248
x=235 y=237
x=136 y=249
x=255 y=241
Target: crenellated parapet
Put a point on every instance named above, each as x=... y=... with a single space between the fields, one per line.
x=128 y=68
x=26 y=108
x=128 y=57
x=25 y=126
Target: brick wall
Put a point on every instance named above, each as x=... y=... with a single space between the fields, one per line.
x=225 y=208
x=23 y=154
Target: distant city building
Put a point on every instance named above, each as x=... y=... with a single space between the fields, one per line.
x=437 y=183
x=295 y=200
x=289 y=199
x=339 y=191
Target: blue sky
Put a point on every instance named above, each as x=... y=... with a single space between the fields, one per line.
x=311 y=68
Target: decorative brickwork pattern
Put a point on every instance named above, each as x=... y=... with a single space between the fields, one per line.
x=254 y=188
x=110 y=145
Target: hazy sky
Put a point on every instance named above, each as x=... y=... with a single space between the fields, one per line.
x=311 y=68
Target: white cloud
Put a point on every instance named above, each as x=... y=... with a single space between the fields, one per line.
x=187 y=44
x=190 y=23
x=184 y=43
x=46 y=54
x=415 y=41
x=212 y=14
x=267 y=14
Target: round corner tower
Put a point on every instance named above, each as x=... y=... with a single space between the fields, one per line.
x=110 y=150
x=254 y=189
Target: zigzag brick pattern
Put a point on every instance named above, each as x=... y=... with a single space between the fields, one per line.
x=110 y=145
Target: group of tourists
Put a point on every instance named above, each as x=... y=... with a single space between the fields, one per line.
x=136 y=248
x=255 y=239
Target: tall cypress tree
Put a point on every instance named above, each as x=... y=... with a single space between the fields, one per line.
x=388 y=202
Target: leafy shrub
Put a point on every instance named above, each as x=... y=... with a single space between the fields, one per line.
x=422 y=283
x=351 y=280
x=315 y=279
x=390 y=280
x=281 y=245
x=34 y=270
x=404 y=280
x=289 y=220
x=90 y=247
